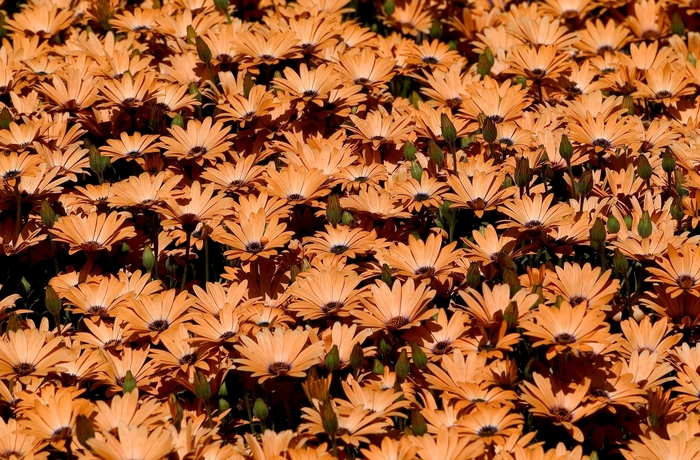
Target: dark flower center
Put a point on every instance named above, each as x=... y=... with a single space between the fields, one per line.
x=539 y=73
x=561 y=414
x=158 y=325
x=332 y=307
x=454 y=101
x=488 y=430
x=23 y=369
x=361 y=81
x=663 y=93
x=197 y=151
x=294 y=197
x=506 y=141
x=63 y=432
x=496 y=118
x=279 y=368
x=602 y=143
x=342 y=431
x=397 y=322
x=425 y=271
x=310 y=93
x=565 y=338
x=227 y=335
x=576 y=299
x=442 y=347
x=187 y=359
x=378 y=137
x=685 y=281
x=605 y=48
x=430 y=60
x=141 y=28
x=339 y=248
x=600 y=392
x=533 y=224
x=254 y=247
x=266 y=57
x=96 y=310
x=420 y=196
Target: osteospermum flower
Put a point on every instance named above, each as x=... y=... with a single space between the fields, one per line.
x=201 y=141
x=92 y=233
x=30 y=353
x=278 y=353
x=577 y=284
x=402 y=306
x=423 y=259
x=679 y=273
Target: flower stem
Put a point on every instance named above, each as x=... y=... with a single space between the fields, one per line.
x=187 y=260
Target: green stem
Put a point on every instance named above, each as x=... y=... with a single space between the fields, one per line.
x=187 y=260
x=454 y=155
x=249 y=410
x=208 y=409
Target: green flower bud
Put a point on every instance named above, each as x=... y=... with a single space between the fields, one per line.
x=677 y=208
x=193 y=90
x=221 y=4
x=692 y=60
x=129 y=383
x=436 y=29
x=449 y=132
x=98 y=163
x=329 y=419
x=52 y=301
x=260 y=409
x=357 y=357
x=677 y=26
x=521 y=80
x=508 y=181
x=511 y=315
x=14 y=323
x=513 y=281
x=523 y=173
x=48 y=215
x=585 y=183
x=223 y=390
x=620 y=263
x=24 y=287
x=598 y=234
x=387 y=275
x=178 y=120
x=613 y=225
x=628 y=222
x=333 y=359
x=84 y=429
x=566 y=150
x=202 y=389
x=223 y=405
x=247 y=84
x=389 y=7
x=481 y=118
x=334 y=213
x=473 y=275
x=148 y=259
x=628 y=104
x=385 y=347
x=409 y=151
x=644 y=226
x=435 y=153
x=416 y=171
x=668 y=163
x=418 y=425
x=485 y=63
x=5 y=118
x=191 y=35
x=403 y=366
x=347 y=218
x=203 y=51
x=418 y=356
x=490 y=132
x=378 y=367
x=644 y=170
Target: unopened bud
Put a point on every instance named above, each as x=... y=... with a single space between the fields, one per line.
x=347 y=218
x=644 y=170
x=84 y=429
x=5 y=118
x=628 y=104
x=334 y=213
x=357 y=357
x=191 y=35
x=148 y=259
x=620 y=263
x=644 y=226
x=677 y=208
x=418 y=425
x=436 y=29
x=403 y=366
x=385 y=347
x=332 y=360
x=260 y=409
x=585 y=183
x=598 y=234
x=389 y=7
x=329 y=419
x=416 y=171
x=511 y=315
x=668 y=163
x=48 y=215
x=435 y=153
x=178 y=120
x=409 y=151
x=677 y=26
x=566 y=149
x=129 y=383
x=203 y=51
x=613 y=225
x=628 y=222
x=489 y=132
x=485 y=63
x=449 y=132
x=378 y=367
x=202 y=389
x=387 y=275
x=513 y=281
x=523 y=173
x=418 y=356
x=473 y=275
x=52 y=301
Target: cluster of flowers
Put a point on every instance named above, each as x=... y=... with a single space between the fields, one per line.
x=357 y=229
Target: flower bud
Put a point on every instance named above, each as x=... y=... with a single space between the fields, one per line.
x=644 y=170
x=585 y=183
x=508 y=181
x=84 y=429
x=521 y=80
x=315 y=387
x=98 y=163
x=357 y=357
x=644 y=226
x=178 y=120
x=334 y=213
x=389 y=7
x=247 y=84
x=593 y=455
x=385 y=347
x=191 y=34
x=202 y=389
x=223 y=390
x=691 y=59
x=24 y=287
x=598 y=234
x=677 y=208
x=481 y=118
x=613 y=225
x=628 y=104
x=5 y=118
x=628 y=222
x=418 y=425
x=223 y=405
x=449 y=132
x=260 y=409
x=511 y=315
x=485 y=63
x=148 y=259
x=347 y=218
x=473 y=275
x=377 y=367
x=403 y=366
x=333 y=359
x=418 y=356
x=436 y=29
x=566 y=150
x=387 y=275
x=416 y=171
x=620 y=263
x=523 y=173
x=221 y=4
x=48 y=215
x=513 y=281
x=203 y=51
x=193 y=90
x=329 y=419
x=679 y=180
x=409 y=151
x=489 y=132
x=52 y=301
x=677 y=26
x=435 y=153
x=668 y=163
x=129 y=383
x=14 y=323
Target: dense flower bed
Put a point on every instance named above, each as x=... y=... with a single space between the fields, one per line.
x=343 y=228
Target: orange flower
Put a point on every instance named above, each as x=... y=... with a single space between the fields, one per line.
x=202 y=141
x=402 y=306
x=92 y=233
x=24 y=354
x=679 y=273
x=254 y=236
